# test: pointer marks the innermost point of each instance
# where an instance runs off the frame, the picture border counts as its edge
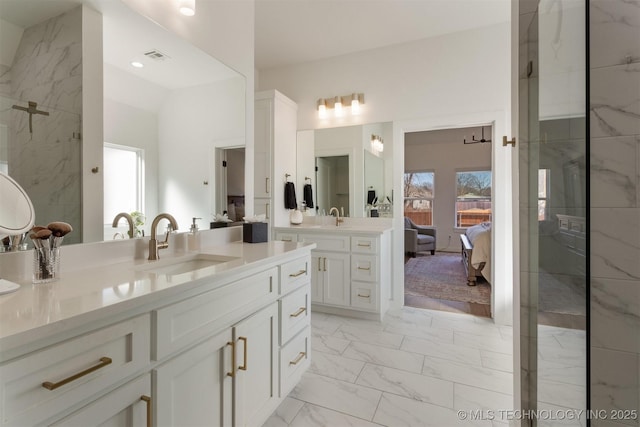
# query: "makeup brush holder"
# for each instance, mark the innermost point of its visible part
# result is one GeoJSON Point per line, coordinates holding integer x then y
{"type": "Point", "coordinates": [46, 265]}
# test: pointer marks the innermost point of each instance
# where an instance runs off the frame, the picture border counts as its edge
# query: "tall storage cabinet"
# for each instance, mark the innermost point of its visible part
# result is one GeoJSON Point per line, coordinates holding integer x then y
{"type": "Point", "coordinates": [275, 154]}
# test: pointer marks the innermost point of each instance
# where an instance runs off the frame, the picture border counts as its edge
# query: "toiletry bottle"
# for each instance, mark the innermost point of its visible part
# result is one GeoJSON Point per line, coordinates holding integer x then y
{"type": "Point", "coordinates": [194, 237]}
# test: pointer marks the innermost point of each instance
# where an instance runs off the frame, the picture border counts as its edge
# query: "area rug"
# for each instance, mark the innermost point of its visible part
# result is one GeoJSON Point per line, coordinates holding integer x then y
{"type": "Point", "coordinates": [442, 276]}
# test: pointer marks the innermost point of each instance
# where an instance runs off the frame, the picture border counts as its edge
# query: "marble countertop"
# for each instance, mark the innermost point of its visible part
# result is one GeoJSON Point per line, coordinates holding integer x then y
{"type": "Point", "coordinates": [106, 291]}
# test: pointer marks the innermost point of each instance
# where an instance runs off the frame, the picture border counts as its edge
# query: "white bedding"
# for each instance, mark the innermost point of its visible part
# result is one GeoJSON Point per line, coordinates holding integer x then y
{"type": "Point", "coordinates": [480, 237]}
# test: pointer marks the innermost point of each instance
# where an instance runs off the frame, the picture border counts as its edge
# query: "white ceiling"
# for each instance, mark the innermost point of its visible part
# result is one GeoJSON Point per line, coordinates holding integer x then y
{"type": "Point", "coordinates": [296, 31]}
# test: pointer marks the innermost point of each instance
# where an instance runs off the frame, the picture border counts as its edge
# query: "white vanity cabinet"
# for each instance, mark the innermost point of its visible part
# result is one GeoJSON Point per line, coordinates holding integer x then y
{"type": "Point", "coordinates": [209, 356]}
{"type": "Point", "coordinates": [275, 133]}
{"type": "Point", "coordinates": [350, 269]}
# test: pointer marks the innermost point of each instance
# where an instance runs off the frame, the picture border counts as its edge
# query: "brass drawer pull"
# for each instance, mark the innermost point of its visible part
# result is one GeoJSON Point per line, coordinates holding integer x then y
{"type": "Point", "coordinates": [299, 312]}
{"type": "Point", "coordinates": [104, 361]}
{"type": "Point", "coordinates": [266, 185]}
{"type": "Point", "coordinates": [364, 296]}
{"type": "Point", "coordinates": [319, 263]}
{"type": "Point", "coordinates": [286, 240]}
{"type": "Point", "coordinates": [367, 245]}
{"type": "Point", "coordinates": [147, 399]}
{"type": "Point", "coordinates": [325, 264]}
{"type": "Point", "coordinates": [244, 366]}
{"type": "Point", "coordinates": [298, 274]}
{"type": "Point", "coordinates": [364, 268]}
{"type": "Point", "coordinates": [298, 359]}
{"type": "Point", "coordinates": [233, 359]}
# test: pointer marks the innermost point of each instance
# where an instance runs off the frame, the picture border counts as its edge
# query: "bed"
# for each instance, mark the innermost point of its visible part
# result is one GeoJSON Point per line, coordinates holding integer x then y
{"type": "Point", "coordinates": [476, 252]}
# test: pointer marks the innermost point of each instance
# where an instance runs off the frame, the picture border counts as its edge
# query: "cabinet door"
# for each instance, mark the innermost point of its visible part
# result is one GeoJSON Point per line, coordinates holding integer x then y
{"type": "Point", "coordinates": [262, 148]}
{"type": "Point", "coordinates": [256, 381]}
{"type": "Point", "coordinates": [336, 287]}
{"type": "Point", "coordinates": [317, 278]}
{"type": "Point", "coordinates": [195, 387]}
{"type": "Point", "coordinates": [128, 405]}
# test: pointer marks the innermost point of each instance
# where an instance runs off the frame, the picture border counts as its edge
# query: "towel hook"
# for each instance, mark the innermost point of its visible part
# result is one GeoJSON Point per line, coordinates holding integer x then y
{"type": "Point", "coordinates": [306, 178]}
{"type": "Point", "coordinates": [286, 177]}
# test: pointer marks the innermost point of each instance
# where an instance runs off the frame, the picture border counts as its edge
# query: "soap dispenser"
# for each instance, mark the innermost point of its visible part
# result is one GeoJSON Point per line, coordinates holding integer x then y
{"type": "Point", "coordinates": [194, 236]}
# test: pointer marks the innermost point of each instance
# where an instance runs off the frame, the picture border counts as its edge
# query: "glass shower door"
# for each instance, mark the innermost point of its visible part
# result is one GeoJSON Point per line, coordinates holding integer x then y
{"type": "Point", "coordinates": [553, 211]}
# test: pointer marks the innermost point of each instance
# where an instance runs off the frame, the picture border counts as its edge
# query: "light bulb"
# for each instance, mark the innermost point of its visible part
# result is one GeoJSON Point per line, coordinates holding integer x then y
{"type": "Point", "coordinates": [355, 104]}
{"type": "Point", "coordinates": [137, 64]}
{"type": "Point", "coordinates": [337, 107]}
{"type": "Point", "coordinates": [322, 108]}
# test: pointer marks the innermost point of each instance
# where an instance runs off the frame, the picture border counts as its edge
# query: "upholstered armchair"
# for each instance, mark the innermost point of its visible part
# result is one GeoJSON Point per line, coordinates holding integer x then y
{"type": "Point", "coordinates": [418, 238]}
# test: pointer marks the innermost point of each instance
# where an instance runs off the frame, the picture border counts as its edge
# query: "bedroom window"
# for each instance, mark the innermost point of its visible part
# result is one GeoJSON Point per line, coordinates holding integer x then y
{"type": "Point", "coordinates": [418, 197]}
{"type": "Point", "coordinates": [473, 198]}
{"type": "Point", "coordinates": [123, 181]}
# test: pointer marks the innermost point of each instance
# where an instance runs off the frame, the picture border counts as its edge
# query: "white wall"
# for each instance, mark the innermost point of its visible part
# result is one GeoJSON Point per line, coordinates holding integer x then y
{"type": "Point", "coordinates": [192, 122]}
{"type": "Point", "coordinates": [133, 127]}
{"type": "Point", "coordinates": [445, 157]}
{"type": "Point", "coordinates": [454, 80]}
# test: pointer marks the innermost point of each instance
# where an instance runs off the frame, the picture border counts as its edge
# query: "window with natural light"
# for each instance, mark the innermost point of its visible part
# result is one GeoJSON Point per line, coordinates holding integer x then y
{"type": "Point", "coordinates": [418, 197]}
{"type": "Point", "coordinates": [473, 198]}
{"type": "Point", "coordinates": [543, 194]}
{"type": "Point", "coordinates": [123, 180]}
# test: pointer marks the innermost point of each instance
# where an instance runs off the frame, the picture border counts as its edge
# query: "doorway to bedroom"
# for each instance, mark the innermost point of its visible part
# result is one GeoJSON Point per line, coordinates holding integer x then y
{"type": "Point", "coordinates": [448, 194]}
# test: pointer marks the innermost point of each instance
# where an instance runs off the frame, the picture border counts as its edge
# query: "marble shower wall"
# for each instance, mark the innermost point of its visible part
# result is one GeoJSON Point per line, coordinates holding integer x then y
{"type": "Point", "coordinates": [615, 206]}
{"type": "Point", "coordinates": [47, 69]}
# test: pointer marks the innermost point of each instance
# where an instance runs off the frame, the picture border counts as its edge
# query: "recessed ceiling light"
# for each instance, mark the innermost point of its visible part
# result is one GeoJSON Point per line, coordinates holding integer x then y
{"type": "Point", "coordinates": [137, 64]}
{"type": "Point", "coordinates": [187, 7]}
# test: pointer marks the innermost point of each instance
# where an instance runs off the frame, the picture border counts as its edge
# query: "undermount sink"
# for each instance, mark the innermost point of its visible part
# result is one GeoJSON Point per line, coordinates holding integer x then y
{"type": "Point", "coordinates": [173, 266]}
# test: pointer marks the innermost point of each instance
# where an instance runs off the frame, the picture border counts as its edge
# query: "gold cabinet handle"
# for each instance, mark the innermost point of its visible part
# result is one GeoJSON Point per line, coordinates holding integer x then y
{"type": "Point", "coordinates": [104, 361]}
{"type": "Point", "coordinates": [364, 296]}
{"type": "Point", "coordinates": [319, 261]}
{"type": "Point", "coordinates": [299, 312]}
{"type": "Point", "coordinates": [364, 245]}
{"type": "Point", "coordinates": [233, 359]}
{"type": "Point", "coordinates": [298, 274]}
{"type": "Point", "coordinates": [286, 240]}
{"type": "Point", "coordinates": [364, 268]}
{"type": "Point", "coordinates": [147, 399]}
{"type": "Point", "coordinates": [297, 360]}
{"type": "Point", "coordinates": [266, 185]}
{"type": "Point", "coordinates": [244, 366]}
{"type": "Point", "coordinates": [266, 214]}
{"type": "Point", "coordinates": [325, 264]}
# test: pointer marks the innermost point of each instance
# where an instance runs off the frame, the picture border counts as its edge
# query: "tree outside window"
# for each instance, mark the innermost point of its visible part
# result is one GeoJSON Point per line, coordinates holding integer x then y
{"type": "Point", "coordinates": [473, 198]}
{"type": "Point", "coordinates": [418, 197]}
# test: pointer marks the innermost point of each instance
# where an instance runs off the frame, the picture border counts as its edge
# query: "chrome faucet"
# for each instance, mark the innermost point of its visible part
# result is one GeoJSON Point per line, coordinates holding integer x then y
{"type": "Point", "coordinates": [154, 246]}
{"type": "Point", "coordinates": [129, 219]}
{"type": "Point", "coordinates": [338, 219]}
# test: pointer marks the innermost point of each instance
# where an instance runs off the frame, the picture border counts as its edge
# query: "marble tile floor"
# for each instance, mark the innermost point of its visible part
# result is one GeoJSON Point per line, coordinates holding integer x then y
{"type": "Point", "coordinates": [419, 368]}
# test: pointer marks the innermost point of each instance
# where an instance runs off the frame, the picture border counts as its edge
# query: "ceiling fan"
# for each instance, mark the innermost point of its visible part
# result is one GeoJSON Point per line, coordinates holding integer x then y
{"type": "Point", "coordinates": [475, 141]}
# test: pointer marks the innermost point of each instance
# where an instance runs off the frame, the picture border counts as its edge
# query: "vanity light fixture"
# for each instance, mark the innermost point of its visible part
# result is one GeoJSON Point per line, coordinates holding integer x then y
{"type": "Point", "coordinates": [187, 7]}
{"type": "Point", "coordinates": [377, 144]}
{"type": "Point", "coordinates": [339, 104]}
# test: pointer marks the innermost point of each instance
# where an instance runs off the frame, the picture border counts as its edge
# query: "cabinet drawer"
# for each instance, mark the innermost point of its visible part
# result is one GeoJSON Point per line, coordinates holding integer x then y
{"type": "Point", "coordinates": [72, 371]}
{"type": "Point", "coordinates": [294, 313]}
{"type": "Point", "coordinates": [294, 360]}
{"type": "Point", "coordinates": [364, 295]}
{"type": "Point", "coordinates": [183, 323]}
{"type": "Point", "coordinates": [294, 274]}
{"type": "Point", "coordinates": [327, 242]}
{"type": "Point", "coordinates": [364, 244]}
{"type": "Point", "coordinates": [286, 237]}
{"type": "Point", "coordinates": [364, 267]}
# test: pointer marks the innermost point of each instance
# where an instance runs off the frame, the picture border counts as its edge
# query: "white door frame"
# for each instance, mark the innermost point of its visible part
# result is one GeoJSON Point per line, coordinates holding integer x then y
{"type": "Point", "coordinates": [502, 231]}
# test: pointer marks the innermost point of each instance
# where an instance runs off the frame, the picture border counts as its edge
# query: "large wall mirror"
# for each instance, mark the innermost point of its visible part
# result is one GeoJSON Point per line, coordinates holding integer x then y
{"type": "Point", "coordinates": [348, 169]}
{"type": "Point", "coordinates": [162, 122]}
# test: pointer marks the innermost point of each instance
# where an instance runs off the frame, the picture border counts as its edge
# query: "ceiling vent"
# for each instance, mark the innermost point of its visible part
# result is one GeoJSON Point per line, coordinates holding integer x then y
{"type": "Point", "coordinates": [156, 55]}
